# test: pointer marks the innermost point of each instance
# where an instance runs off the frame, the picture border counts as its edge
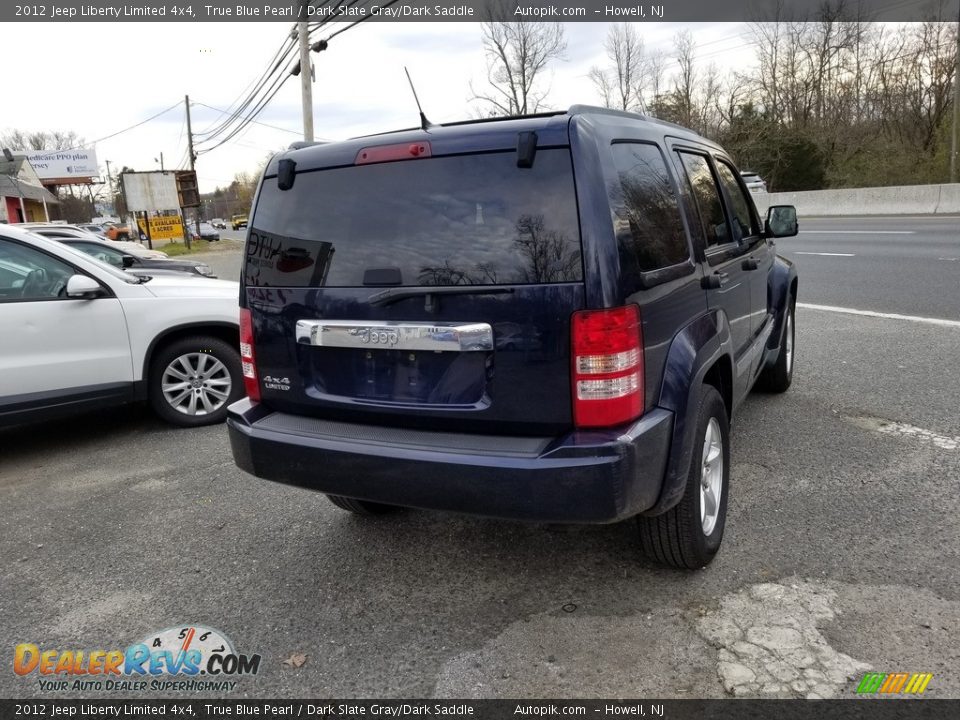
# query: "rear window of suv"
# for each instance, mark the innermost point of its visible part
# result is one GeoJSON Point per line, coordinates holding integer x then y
{"type": "Point", "coordinates": [459, 220]}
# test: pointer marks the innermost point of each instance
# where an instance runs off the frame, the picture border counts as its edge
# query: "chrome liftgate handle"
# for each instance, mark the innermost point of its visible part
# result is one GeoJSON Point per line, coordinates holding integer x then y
{"type": "Point", "coordinates": [386, 335]}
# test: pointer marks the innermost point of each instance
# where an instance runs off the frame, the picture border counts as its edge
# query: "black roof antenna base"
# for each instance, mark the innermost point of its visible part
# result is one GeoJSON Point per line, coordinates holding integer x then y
{"type": "Point", "coordinates": [424, 123]}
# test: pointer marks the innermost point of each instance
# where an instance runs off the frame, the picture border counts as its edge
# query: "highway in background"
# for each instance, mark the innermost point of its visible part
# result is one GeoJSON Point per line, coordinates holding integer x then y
{"type": "Point", "coordinates": [904, 265]}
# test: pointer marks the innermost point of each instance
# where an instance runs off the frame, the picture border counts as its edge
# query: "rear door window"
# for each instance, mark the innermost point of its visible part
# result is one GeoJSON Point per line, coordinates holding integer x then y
{"type": "Point", "coordinates": [706, 194]}
{"type": "Point", "coordinates": [650, 231]}
{"type": "Point", "coordinates": [456, 220]}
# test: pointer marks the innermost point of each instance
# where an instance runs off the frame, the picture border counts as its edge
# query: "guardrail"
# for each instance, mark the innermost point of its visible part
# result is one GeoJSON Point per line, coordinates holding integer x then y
{"type": "Point", "coordinates": [899, 200]}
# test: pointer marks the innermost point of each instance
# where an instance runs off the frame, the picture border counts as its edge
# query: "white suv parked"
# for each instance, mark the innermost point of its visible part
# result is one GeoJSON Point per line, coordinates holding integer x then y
{"type": "Point", "coordinates": [79, 334]}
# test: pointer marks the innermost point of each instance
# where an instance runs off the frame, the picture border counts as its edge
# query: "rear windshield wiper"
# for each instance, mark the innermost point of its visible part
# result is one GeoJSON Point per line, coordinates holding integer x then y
{"type": "Point", "coordinates": [388, 297]}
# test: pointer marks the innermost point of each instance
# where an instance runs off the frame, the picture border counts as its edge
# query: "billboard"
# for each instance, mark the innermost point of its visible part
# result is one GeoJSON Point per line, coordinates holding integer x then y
{"type": "Point", "coordinates": [150, 191]}
{"type": "Point", "coordinates": [76, 163]}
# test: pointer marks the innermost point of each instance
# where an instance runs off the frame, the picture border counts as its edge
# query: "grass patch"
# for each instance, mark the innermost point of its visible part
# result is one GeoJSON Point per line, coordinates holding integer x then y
{"type": "Point", "coordinates": [178, 248]}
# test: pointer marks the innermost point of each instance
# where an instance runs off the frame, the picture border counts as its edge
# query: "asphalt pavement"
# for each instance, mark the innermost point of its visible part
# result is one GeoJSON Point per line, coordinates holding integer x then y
{"type": "Point", "coordinates": [840, 555]}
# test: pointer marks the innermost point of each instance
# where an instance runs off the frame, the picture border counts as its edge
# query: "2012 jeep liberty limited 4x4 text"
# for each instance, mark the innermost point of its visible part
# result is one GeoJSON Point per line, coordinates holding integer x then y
{"type": "Point", "coordinates": [549, 318]}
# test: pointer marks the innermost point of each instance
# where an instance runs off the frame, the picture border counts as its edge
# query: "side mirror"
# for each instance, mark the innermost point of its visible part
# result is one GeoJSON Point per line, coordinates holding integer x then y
{"type": "Point", "coordinates": [82, 286]}
{"type": "Point", "coordinates": [128, 261]}
{"type": "Point", "coordinates": [781, 221]}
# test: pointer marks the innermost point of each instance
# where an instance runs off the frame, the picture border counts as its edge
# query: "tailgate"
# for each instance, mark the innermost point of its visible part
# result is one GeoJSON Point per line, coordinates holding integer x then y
{"type": "Point", "coordinates": [433, 293]}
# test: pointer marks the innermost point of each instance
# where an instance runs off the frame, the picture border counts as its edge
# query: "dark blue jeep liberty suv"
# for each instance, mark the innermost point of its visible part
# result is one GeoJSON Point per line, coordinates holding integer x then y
{"type": "Point", "coordinates": [549, 318]}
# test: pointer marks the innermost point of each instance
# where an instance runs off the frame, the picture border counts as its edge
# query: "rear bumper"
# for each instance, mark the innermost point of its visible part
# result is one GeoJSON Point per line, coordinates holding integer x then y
{"type": "Point", "coordinates": [584, 477]}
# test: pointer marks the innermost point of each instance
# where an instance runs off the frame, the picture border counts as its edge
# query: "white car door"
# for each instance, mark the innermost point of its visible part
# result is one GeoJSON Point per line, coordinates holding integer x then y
{"type": "Point", "coordinates": [56, 349]}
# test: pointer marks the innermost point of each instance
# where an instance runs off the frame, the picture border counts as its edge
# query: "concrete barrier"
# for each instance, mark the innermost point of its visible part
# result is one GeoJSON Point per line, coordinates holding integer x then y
{"type": "Point", "coordinates": [901, 200]}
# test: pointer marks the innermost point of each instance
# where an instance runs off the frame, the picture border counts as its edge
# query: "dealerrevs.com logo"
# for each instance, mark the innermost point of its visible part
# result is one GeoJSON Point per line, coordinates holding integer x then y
{"type": "Point", "coordinates": [188, 658]}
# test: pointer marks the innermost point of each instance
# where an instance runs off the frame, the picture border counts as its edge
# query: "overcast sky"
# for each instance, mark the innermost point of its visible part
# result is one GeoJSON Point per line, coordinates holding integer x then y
{"type": "Point", "coordinates": [96, 79]}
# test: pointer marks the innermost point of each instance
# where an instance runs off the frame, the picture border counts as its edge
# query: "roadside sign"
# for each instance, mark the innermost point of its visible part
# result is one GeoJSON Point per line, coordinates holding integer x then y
{"type": "Point", "coordinates": [163, 228]}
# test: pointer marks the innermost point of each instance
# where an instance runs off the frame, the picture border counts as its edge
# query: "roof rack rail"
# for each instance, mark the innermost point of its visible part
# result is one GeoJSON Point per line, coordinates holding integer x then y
{"type": "Point", "coordinates": [501, 118]}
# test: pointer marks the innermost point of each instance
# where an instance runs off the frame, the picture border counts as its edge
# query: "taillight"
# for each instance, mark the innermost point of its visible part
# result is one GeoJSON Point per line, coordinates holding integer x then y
{"type": "Point", "coordinates": [247, 358]}
{"type": "Point", "coordinates": [607, 366]}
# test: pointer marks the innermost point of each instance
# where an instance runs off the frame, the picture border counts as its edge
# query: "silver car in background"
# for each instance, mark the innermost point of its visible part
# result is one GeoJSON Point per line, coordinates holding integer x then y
{"type": "Point", "coordinates": [754, 182]}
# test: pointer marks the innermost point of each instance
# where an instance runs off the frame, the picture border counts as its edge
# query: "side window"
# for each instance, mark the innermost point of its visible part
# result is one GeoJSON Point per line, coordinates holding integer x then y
{"type": "Point", "coordinates": [707, 196]}
{"type": "Point", "coordinates": [101, 252]}
{"type": "Point", "coordinates": [649, 228]}
{"type": "Point", "coordinates": [30, 274]}
{"type": "Point", "coordinates": [743, 226]}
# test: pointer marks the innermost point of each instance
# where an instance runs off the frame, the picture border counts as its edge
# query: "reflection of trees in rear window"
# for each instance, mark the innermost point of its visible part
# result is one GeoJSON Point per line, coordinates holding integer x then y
{"type": "Point", "coordinates": [544, 255]}
{"type": "Point", "coordinates": [650, 231]}
{"type": "Point", "coordinates": [465, 220]}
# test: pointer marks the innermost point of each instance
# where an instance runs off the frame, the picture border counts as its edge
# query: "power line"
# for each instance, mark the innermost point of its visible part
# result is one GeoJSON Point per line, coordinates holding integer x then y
{"type": "Point", "coordinates": [269, 76]}
{"type": "Point", "coordinates": [274, 86]}
{"type": "Point", "coordinates": [279, 59]}
{"type": "Point", "coordinates": [354, 24]}
{"type": "Point", "coordinates": [257, 122]}
{"type": "Point", "coordinates": [87, 143]}
{"type": "Point", "coordinates": [132, 127]}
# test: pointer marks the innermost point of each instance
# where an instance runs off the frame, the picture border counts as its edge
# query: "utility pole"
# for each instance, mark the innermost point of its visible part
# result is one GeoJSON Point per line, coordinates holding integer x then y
{"type": "Point", "coordinates": [110, 198]}
{"type": "Point", "coordinates": [306, 81]}
{"type": "Point", "coordinates": [193, 169]}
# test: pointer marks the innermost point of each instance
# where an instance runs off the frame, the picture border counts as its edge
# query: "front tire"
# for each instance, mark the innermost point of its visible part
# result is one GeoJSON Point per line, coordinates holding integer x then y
{"type": "Point", "coordinates": [688, 535]}
{"type": "Point", "coordinates": [193, 380]}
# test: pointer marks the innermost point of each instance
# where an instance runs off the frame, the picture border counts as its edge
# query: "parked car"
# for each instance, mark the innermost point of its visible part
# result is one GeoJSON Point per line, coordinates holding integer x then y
{"type": "Point", "coordinates": [207, 232]}
{"type": "Point", "coordinates": [238, 221]}
{"type": "Point", "coordinates": [58, 232]}
{"type": "Point", "coordinates": [117, 231]}
{"type": "Point", "coordinates": [80, 334]}
{"type": "Point", "coordinates": [94, 229]}
{"type": "Point", "coordinates": [626, 252]}
{"type": "Point", "coordinates": [219, 223]}
{"type": "Point", "coordinates": [108, 253]}
{"type": "Point", "coordinates": [754, 182]}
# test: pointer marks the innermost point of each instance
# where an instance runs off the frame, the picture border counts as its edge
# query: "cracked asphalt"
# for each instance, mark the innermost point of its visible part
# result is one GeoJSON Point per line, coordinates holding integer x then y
{"type": "Point", "coordinates": [840, 556]}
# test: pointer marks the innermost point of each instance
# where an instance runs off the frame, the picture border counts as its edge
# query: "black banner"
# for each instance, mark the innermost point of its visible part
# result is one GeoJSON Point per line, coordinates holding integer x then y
{"type": "Point", "coordinates": [872, 709]}
{"type": "Point", "coordinates": [330, 11]}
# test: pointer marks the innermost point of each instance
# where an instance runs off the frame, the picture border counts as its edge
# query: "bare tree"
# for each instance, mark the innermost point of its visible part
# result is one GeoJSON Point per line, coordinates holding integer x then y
{"type": "Point", "coordinates": [517, 53]}
{"type": "Point", "coordinates": [41, 140]}
{"type": "Point", "coordinates": [685, 81]}
{"type": "Point", "coordinates": [621, 85]}
{"type": "Point", "coordinates": [654, 79]}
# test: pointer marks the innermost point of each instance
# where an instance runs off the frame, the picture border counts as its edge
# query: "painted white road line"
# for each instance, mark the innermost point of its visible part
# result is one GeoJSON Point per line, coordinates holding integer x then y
{"type": "Point", "coordinates": [800, 252]}
{"type": "Point", "coordinates": [890, 427]}
{"type": "Point", "coordinates": [858, 232]}
{"type": "Point", "coordinates": [887, 316]}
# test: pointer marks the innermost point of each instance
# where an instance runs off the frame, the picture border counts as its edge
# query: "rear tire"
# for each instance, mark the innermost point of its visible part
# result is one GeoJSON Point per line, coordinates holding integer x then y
{"type": "Point", "coordinates": [360, 507]}
{"type": "Point", "coordinates": [777, 379]}
{"type": "Point", "coordinates": [688, 535]}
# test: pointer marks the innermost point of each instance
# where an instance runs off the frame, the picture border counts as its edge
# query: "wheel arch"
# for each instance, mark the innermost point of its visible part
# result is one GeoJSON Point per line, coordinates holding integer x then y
{"type": "Point", "coordinates": [701, 353]}
{"type": "Point", "coordinates": [225, 331]}
{"type": "Point", "coordinates": [783, 289]}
